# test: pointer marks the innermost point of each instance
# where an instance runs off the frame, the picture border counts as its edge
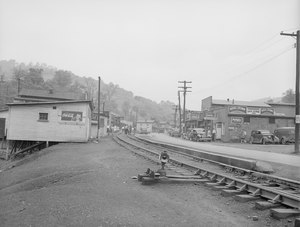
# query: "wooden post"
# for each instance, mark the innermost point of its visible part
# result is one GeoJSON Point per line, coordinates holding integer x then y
{"type": "Point", "coordinates": [7, 150]}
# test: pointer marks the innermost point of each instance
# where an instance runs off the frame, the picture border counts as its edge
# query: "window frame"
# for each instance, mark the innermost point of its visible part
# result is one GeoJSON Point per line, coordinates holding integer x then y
{"type": "Point", "coordinates": [42, 118]}
{"type": "Point", "coordinates": [272, 120]}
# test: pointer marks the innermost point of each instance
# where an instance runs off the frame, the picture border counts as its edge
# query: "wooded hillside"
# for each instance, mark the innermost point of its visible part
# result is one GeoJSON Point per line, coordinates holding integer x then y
{"type": "Point", "coordinates": [113, 98]}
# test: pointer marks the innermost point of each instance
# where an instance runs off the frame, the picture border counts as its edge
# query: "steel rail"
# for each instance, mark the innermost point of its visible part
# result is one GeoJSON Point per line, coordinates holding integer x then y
{"type": "Point", "coordinates": [274, 195]}
{"type": "Point", "coordinates": [286, 181]}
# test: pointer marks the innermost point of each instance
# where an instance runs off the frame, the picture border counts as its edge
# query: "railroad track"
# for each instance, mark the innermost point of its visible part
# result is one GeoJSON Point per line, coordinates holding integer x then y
{"type": "Point", "coordinates": [251, 174]}
{"type": "Point", "coordinates": [276, 191]}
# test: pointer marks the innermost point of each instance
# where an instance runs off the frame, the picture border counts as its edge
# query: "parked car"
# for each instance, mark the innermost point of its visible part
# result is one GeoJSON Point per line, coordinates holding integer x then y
{"type": "Point", "coordinates": [196, 133]}
{"type": "Point", "coordinates": [263, 137]}
{"type": "Point", "coordinates": [175, 133]}
{"type": "Point", "coordinates": [285, 134]}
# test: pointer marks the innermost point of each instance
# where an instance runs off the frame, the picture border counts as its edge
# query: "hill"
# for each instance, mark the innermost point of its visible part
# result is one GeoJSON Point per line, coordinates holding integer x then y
{"type": "Point", "coordinates": [113, 98]}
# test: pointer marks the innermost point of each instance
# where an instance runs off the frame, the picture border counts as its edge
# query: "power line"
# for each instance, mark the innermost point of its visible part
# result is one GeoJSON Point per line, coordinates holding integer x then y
{"type": "Point", "coordinates": [261, 64]}
{"type": "Point", "coordinates": [250, 70]}
{"type": "Point", "coordinates": [267, 41]}
{"type": "Point", "coordinates": [253, 56]}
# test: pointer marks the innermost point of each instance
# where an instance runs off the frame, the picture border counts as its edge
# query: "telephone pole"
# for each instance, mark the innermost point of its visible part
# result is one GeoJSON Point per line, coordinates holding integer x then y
{"type": "Point", "coordinates": [297, 119]}
{"type": "Point", "coordinates": [175, 116]}
{"type": "Point", "coordinates": [184, 97]}
{"type": "Point", "coordinates": [179, 108]}
{"type": "Point", "coordinates": [99, 81]}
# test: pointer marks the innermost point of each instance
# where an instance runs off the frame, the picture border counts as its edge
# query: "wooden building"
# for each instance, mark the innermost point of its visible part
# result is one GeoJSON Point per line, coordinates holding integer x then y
{"type": "Point", "coordinates": [56, 121]}
{"type": "Point", "coordinates": [104, 124]}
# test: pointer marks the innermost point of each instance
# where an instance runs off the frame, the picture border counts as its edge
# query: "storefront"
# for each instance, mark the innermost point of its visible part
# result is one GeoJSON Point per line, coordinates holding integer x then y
{"type": "Point", "coordinates": [232, 118]}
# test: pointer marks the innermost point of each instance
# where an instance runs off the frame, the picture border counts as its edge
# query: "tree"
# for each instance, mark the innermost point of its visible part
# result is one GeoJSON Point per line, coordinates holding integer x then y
{"type": "Point", "coordinates": [126, 108]}
{"type": "Point", "coordinates": [62, 78]}
{"type": "Point", "coordinates": [90, 87]}
{"type": "Point", "coordinates": [76, 87]}
{"type": "Point", "coordinates": [288, 96]}
{"type": "Point", "coordinates": [34, 77]}
{"type": "Point", "coordinates": [110, 91]}
{"type": "Point", "coordinates": [18, 73]}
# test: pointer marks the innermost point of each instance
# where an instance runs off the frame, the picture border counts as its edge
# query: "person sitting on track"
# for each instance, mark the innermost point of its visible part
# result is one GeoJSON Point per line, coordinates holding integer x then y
{"type": "Point", "coordinates": [164, 158]}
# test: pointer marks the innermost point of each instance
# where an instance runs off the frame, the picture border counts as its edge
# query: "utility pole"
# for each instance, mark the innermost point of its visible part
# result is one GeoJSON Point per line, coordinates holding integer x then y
{"type": "Point", "coordinates": [297, 111]}
{"type": "Point", "coordinates": [175, 116]}
{"type": "Point", "coordinates": [179, 108]}
{"type": "Point", "coordinates": [19, 85]}
{"type": "Point", "coordinates": [99, 81]}
{"type": "Point", "coordinates": [184, 97]}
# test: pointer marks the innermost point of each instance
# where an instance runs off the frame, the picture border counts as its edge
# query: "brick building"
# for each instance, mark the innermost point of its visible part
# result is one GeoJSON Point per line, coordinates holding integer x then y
{"type": "Point", "coordinates": [230, 117]}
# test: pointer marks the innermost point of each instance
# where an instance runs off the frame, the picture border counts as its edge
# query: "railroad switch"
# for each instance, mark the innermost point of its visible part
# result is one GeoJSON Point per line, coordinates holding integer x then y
{"type": "Point", "coordinates": [161, 176]}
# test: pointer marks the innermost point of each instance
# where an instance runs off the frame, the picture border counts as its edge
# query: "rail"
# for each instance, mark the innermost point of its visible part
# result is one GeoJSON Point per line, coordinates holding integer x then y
{"type": "Point", "coordinates": [267, 191]}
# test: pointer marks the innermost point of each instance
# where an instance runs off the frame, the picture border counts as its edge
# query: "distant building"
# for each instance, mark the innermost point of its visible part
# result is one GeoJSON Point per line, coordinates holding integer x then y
{"type": "Point", "coordinates": [193, 118]}
{"type": "Point", "coordinates": [144, 126]}
{"type": "Point", "coordinates": [103, 127]}
{"type": "Point", "coordinates": [231, 117]}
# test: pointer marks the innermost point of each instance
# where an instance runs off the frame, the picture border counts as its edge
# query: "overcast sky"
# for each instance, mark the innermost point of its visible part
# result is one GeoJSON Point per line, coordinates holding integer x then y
{"type": "Point", "coordinates": [227, 48]}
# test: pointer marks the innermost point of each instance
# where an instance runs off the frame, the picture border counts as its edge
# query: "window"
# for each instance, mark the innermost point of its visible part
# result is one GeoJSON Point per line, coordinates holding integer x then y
{"type": "Point", "coordinates": [43, 116]}
{"type": "Point", "coordinates": [246, 119]}
{"type": "Point", "coordinates": [271, 120]}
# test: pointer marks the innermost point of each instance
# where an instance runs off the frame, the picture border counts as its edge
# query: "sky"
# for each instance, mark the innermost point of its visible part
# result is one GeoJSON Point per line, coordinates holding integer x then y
{"type": "Point", "coordinates": [226, 48]}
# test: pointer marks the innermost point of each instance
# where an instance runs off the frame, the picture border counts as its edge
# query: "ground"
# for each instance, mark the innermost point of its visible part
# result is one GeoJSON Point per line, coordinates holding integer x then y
{"type": "Point", "coordinates": [91, 185]}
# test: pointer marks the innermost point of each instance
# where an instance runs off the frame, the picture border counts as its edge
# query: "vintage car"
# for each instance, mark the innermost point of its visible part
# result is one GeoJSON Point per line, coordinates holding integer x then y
{"type": "Point", "coordinates": [263, 137]}
{"type": "Point", "coordinates": [285, 134]}
{"type": "Point", "coordinates": [174, 133]}
{"type": "Point", "coordinates": [196, 134]}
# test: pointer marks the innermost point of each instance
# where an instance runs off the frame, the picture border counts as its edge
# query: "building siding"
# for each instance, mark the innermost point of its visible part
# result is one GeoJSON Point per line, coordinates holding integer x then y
{"type": "Point", "coordinates": [24, 123]}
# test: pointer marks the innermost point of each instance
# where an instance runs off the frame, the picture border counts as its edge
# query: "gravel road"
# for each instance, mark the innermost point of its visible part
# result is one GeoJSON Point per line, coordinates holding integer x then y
{"type": "Point", "coordinates": [91, 185]}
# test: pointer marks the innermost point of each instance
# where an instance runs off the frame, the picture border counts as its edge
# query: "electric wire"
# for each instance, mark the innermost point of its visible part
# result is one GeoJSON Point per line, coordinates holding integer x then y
{"type": "Point", "coordinates": [248, 71]}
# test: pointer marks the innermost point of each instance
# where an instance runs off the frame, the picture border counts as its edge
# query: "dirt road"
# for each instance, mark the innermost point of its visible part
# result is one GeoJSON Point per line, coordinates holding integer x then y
{"type": "Point", "coordinates": [90, 185]}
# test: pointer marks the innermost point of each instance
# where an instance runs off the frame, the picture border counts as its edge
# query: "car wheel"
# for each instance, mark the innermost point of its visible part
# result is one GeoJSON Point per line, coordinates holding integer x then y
{"type": "Point", "coordinates": [251, 140]}
{"type": "Point", "coordinates": [283, 141]}
{"type": "Point", "coordinates": [263, 141]}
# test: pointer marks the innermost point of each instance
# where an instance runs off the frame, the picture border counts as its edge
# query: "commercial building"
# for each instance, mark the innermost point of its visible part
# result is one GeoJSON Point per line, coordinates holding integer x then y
{"type": "Point", "coordinates": [230, 117]}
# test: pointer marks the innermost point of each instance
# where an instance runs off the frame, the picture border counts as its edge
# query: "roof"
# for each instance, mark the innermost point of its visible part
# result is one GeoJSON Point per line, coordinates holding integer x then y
{"type": "Point", "coordinates": [280, 104]}
{"type": "Point", "coordinates": [239, 103]}
{"type": "Point", "coordinates": [49, 94]}
{"type": "Point", "coordinates": [49, 102]}
{"type": "Point", "coordinates": [4, 109]}
{"type": "Point", "coordinates": [31, 99]}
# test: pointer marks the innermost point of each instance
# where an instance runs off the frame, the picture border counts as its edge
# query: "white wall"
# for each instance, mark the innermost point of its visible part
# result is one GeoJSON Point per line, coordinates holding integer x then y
{"type": "Point", "coordinates": [24, 123]}
{"type": "Point", "coordinates": [103, 130]}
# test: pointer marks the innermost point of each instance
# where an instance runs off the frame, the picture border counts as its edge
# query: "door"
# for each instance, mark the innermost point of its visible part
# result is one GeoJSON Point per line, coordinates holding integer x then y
{"type": "Point", "coordinates": [2, 128]}
{"type": "Point", "coordinates": [218, 131]}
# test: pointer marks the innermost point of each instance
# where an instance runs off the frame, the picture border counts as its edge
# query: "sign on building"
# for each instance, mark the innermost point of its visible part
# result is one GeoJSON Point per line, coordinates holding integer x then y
{"type": "Point", "coordinates": [236, 120]}
{"type": "Point", "coordinates": [71, 116]}
{"type": "Point", "coordinates": [267, 111]}
{"type": "Point", "coordinates": [237, 109]}
{"type": "Point", "coordinates": [253, 110]}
